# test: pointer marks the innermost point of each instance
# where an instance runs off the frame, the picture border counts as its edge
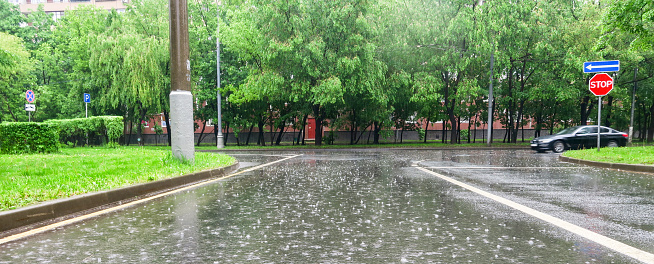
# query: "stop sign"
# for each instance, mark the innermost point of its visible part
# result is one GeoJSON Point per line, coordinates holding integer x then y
{"type": "Point", "coordinates": [601, 84]}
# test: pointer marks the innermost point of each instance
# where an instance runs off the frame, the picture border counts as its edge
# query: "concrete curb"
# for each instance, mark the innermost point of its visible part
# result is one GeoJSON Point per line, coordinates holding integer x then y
{"type": "Point", "coordinates": [49, 210]}
{"type": "Point", "coordinates": [617, 166]}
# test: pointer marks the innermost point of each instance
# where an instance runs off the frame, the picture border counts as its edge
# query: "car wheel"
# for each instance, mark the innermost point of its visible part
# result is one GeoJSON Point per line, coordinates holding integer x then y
{"type": "Point", "coordinates": [558, 146]}
{"type": "Point", "coordinates": [612, 144]}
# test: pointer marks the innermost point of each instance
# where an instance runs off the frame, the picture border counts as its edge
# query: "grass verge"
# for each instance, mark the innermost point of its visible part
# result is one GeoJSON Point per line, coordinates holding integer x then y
{"type": "Point", "coordinates": [629, 155]}
{"type": "Point", "coordinates": [33, 178]}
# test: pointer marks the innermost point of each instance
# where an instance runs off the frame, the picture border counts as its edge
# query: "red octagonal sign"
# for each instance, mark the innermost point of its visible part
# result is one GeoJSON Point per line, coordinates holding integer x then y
{"type": "Point", "coordinates": [601, 84]}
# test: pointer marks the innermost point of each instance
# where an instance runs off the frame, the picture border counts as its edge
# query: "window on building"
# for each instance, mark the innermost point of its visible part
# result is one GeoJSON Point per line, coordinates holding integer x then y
{"type": "Point", "coordinates": [58, 14]}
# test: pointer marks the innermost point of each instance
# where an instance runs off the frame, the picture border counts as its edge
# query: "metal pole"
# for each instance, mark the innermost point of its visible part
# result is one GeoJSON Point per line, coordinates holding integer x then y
{"type": "Point", "coordinates": [599, 120]}
{"type": "Point", "coordinates": [219, 140]}
{"type": "Point", "coordinates": [633, 104]}
{"type": "Point", "coordinates": [29, 116]}
{"type": "Point", "coordinates": [490, 104]}
{"type": "Point", "coordinates": [86, 106]}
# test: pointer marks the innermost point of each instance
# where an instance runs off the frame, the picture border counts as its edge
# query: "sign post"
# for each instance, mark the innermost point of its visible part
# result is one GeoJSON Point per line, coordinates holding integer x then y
{"type": "Point", "coordinates": [29, 95]}
{"type": "Point", "coordinates": [87, 100]}
{"type": "Point", "coordinates": [600, 85]}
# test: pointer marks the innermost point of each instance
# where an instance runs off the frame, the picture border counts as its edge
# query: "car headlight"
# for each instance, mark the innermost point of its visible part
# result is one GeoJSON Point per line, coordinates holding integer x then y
{"type": "Point", "coordinates": [547, 140]}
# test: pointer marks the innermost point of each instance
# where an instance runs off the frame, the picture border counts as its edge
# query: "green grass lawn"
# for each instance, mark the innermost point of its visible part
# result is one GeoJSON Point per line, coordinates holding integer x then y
{"type": "Point", "coordinates": [29, 179]}
{"type": "Point", "coordinates": [629, 155]}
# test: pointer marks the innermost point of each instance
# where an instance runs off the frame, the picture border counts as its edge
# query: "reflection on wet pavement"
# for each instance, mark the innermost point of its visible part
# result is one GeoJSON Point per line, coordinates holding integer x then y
{"type": "Point", "coordinates": [368, 207]}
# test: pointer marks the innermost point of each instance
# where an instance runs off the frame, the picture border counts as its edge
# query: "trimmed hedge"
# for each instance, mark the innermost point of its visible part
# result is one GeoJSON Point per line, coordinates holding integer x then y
{"type": "Point", "coordinates": [21, 137]}
{"type": "Point", "coordinates": [110, 128]}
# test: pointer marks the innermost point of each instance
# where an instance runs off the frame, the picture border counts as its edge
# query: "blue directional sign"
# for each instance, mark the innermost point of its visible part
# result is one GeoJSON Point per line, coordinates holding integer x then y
{"type": "Point", "coordinates": [601, 66]}
{"type": "Point", "coordinates": [87, 98]}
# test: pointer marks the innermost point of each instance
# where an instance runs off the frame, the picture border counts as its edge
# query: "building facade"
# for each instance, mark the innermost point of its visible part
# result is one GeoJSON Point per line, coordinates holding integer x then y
{"type": "Point", "coordinates": [57, 8]}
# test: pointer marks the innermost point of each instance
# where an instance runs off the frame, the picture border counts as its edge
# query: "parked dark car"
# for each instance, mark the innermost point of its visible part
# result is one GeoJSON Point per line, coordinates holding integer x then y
{"type": "Point", "coordinates": [579, 137]}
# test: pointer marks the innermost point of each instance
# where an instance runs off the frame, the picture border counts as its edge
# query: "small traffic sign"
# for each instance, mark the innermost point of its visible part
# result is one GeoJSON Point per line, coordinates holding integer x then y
{"type": "Point", "coordinates": [601, 84]}
{"type": "Point", "coordinates": [601, 66]}
{"type": "Point", "coordinates": [29, 95]}
{"type": "Point", "coordinates": [87, 98]}
{"type": "Point", "coordinates": [30, 107]}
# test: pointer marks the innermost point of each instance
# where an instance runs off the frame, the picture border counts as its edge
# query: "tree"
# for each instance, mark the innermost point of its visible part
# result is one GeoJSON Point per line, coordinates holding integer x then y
{"type": "Point", "coordinates": [15, 65]}
{"type": "Point", "coordinates": [10, 18]}
{"type": "Point", "coordinates": [628, 34]}
{"type": "Point", "coordinates": [310, 53]}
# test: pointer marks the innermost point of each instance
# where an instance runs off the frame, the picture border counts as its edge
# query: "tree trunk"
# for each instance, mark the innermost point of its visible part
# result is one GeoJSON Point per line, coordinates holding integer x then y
{"type": "Point", "coordinates": [362, 132]}
{"type": "Point", "coordinates": [585, 107]}
{"type": "Point", "coordinates": [650, 131]}
{"type": "Point", "coordinates": [167, 127]}
{"type": "Point", "coordinates": [226, 133]}
{"type": "Point", "coordinates": [303, 130]}
{"type": "Point", "coordinates": [377, 129]}
{"type": "Point", "coordinates": [129, 137]}
{"type": "Point", "coordinates": [204, 126]}
{"type": "Point", "coordinates": [279, 137]}
{"type": "Point", "coordinates": [609, 108]}
{"type": "Point", "coordinates": [642, 121]}
{"type": "Point", "coordinates": [539, 120]}
{"type": "Point", "coordinates": [453, 137]}
{"type": "Point", "coordinates": [247, 141]}
{"type": "Point", "coordinates": [261, 141]}
{"type": "Point", "coordinates": [139, 133]}
{"type": "Point", "coordinates": [426, 129]}
{"type": "Point", "coordinates": [318, 129]}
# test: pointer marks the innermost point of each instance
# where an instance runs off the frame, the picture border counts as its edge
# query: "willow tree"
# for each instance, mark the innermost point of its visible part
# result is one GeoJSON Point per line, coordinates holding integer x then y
{"type": "Point", "coordinates": [15, 65]}
{"type": "Point", "coordinates": [129, 62]}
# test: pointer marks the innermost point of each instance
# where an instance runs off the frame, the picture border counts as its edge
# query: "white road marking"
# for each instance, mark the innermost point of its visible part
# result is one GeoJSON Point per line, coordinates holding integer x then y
{"type": "Point", "coordinates": [120, 207]}
{"type": "Point", "coordinates": [615, 245]}
{"type": "Point", "coordinates": [504, 168]}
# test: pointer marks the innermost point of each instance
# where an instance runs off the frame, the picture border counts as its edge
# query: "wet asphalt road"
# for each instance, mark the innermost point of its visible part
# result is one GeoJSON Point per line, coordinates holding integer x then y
{"type": "Point", "coordinates": [370, 206]}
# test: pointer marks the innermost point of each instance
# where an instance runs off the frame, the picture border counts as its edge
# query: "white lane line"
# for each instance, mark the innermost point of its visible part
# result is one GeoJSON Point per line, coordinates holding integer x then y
{"type": "Point", "coordinates": [522, 168]}
{"type": "Point", "coordinates": [120, 207]}
{"type": "Point", "coordinates": [615, 245]}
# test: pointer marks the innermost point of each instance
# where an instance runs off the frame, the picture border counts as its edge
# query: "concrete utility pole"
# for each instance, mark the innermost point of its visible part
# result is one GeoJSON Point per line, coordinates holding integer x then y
{"type": "Point", "coordinates": [489, 140]}
{"type": "Point", "coordinates": [219, 140]}
{"type": "Point", "coordinates": [181, 99]}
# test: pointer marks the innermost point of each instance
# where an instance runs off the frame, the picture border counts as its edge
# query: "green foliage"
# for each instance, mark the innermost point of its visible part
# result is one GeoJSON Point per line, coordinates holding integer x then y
{"type": "Point", "coordinates": [358, 64]}
{"type": "Point", "coordinates": [23, 137]}
{"type": "Point", "coordinates": [465, 134]}
{"type": "Point", "coordinates": [421, 133]}
{"type": "Point", "coordinates": [71, 130]}
{"type": "Point", "coordinates": [10, 18]}
{"type": "Point", "coordinates": [635, 17]}
{"type": "Point", "coordinates": [15, 68]}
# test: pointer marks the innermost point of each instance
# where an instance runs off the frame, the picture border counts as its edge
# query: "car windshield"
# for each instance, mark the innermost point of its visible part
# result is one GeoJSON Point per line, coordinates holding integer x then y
{"type": "Point", "coordinates": [568, 130]}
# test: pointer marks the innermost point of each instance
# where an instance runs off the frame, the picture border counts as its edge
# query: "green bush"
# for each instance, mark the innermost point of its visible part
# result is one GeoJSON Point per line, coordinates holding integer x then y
{"type": "Point", "coordinates": [20, 137]}
{"type": "Point", "coordinates": [77, 130]}
{"type": "Point", "coordinates": [465, 134]}
{"type": "Point", "coordinates": [421, 133]}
